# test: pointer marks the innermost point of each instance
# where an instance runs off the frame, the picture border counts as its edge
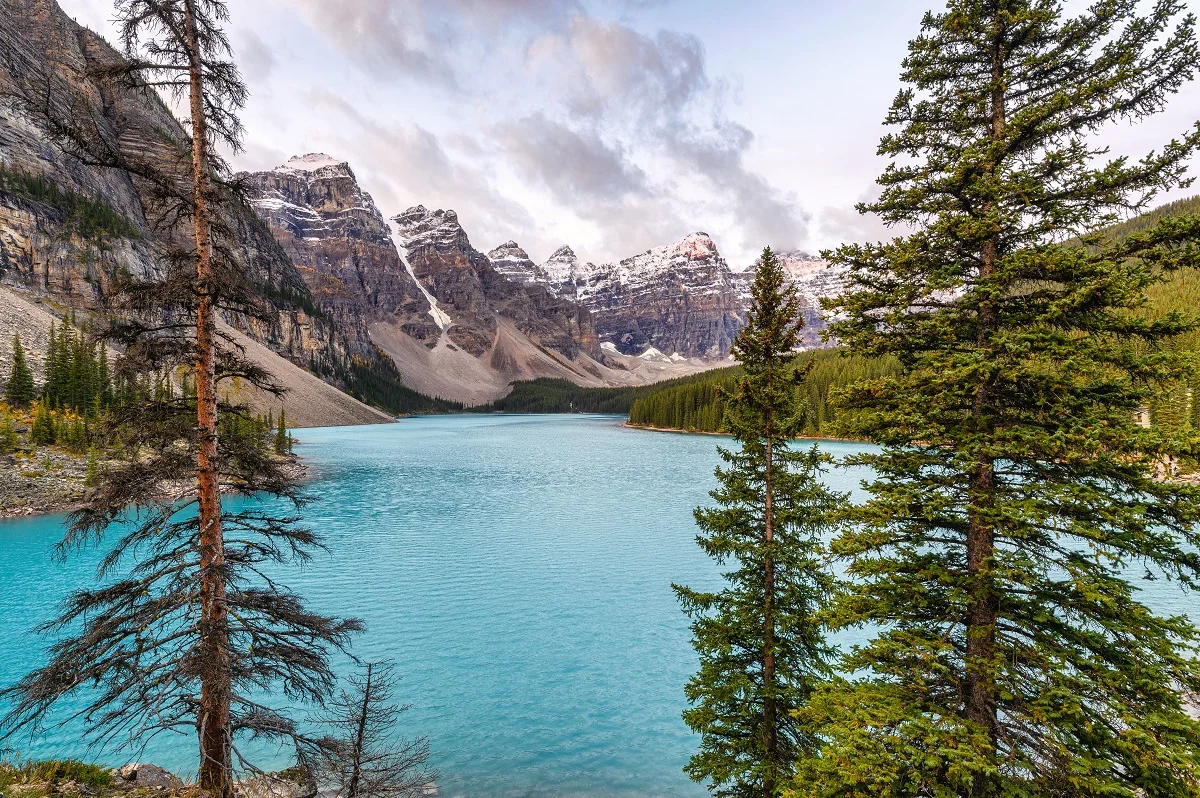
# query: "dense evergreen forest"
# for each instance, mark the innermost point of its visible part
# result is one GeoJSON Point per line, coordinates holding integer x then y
{"type": "Point", "coordinates": [699, 406]}
{"type": "Point", "coordinates": [547, 395]}
{"type": "Point", "coordinates": [1175, 408]}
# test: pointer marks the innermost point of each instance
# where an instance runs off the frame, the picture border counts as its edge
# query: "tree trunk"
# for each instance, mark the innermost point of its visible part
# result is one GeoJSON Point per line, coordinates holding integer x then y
{"type": "Point", "coordinates": [979, 680]}
{"type": "Point", "coordinates": [216, 766]}
{"type": "Point", "coordinates": [360, 738]}
{"type": "Point", "coordinates": [770, 719]}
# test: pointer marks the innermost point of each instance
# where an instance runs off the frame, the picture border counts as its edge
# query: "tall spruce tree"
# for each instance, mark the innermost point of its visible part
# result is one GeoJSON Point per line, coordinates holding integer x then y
{"type": "Point", "coordinates": [19, 390]}
{"type": "Point", "coordinates": [193, 636]}
{"type": "Point", "coordinates": [762, 650]}
{"type": "Point", "coordinates": [1013, 500]}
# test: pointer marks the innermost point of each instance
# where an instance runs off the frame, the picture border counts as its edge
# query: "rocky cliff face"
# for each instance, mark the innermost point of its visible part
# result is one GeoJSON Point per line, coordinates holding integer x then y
{"type": "Point", "coordinates": [342, 248]}
{"type": "Point", "coordinates": [514, 263]}
{"type": "Point", "coordinates": [66, 229]}
{"type": "Point", "coordinates": [475, 294]}
{"type": "Point", "coordinates": [678, 299]}
{"type": "Point", "coordinates": [814, 279]}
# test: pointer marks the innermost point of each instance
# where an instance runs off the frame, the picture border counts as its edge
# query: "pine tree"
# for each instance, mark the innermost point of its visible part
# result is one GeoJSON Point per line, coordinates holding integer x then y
{"type": "Point", "coordinates": [19, 391]}
{"type": "Point", "coordinates": [193, 638]}
{"type": "Point", "coordinates": [1013, 499]}
{"type": "Point", "coordinates": [367, 759]}
{"type": "Point", "coordinates": [282, 439]}
{"type": "Point", "coordinates": [44, 430]}
{"type": "Point", "coordinates": [762, 650]}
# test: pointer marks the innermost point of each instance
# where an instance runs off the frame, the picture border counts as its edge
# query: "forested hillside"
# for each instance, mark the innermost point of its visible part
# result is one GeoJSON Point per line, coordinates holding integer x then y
{"type": "Point", "coordinates": [1176, 409]}
{"type": "Point", "coordinates": [698, 405]}
{"type": "Point", "coordinates": [548, 395]}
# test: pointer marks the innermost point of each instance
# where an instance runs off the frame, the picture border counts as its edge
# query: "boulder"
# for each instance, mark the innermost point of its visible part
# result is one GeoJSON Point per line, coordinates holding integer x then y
{"type": "Point", "coordinates": [137, 774]}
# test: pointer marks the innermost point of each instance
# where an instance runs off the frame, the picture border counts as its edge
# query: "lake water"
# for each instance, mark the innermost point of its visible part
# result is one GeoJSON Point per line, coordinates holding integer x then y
{"type": "Point", "coordinates": [517, 569]}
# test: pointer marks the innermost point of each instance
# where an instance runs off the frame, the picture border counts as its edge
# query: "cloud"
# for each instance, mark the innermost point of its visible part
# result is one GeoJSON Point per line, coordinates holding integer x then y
{"type": "Point", "coordinates": [621, 129]}
{"type": "Point", "coordinates": [575, 166]}
{"type": "Point", "coordinates": [386, 37]}
{"type": "Point", "coordinates": [848, 226]}
{"type": "Point", "coordinates": [256, 59]}
{"type": "Point", "coordinates": [656, 93]}
{"type": "Point", "coordinates": [404, 164]}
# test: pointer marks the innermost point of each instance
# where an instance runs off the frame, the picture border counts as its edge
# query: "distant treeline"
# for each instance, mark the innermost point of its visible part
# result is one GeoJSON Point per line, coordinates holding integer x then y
{"type": "Point", "coordinates": [1176, 408]}
{"type": "Point", "coordinates": [378, 383]}
{"type": "Point", "coordinates": [548, 395]}
{"type": "Point", "coordinates": [699, 406]}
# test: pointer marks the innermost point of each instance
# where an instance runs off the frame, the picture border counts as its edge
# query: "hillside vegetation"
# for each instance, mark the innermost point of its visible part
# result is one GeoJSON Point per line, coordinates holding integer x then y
{"type": "Point", "coordinates": [548, 395]}
{"type": "Point", "coordinates": [1176, 409]}
{"type": "Point", "coordinates": [699, 406]}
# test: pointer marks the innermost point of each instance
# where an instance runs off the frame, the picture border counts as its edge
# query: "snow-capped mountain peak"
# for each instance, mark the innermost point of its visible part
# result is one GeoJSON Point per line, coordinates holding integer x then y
{"type": "Point", "coordinates": [311, 162]}
{"type": "Point", "coordinates": [514, 263]}
{"type": "Point", "coordinates": [419, 226]}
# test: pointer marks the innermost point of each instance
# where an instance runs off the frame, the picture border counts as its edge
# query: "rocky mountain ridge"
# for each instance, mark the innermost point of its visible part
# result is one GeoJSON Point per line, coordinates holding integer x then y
{"type": "Point", "coordinates": [350, 292]}
{"type": "Point", "coordinates": [67, 229]}
{"type": "Point", "coordinates": [342, 247]}
{"type": "Point", "coordinates": [814, 279]}
{"type": "Point", "coordinates": [677, 301]}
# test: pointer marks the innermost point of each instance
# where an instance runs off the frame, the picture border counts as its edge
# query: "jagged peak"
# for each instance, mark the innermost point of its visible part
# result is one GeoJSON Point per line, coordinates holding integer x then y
{"type": "Point", "coordinates": [311, 162]}
{"type": "Point", "coordinates": [510, 250]}
{"type": "Point", "coordinates": [697, 246]}
{"type": "Point", "coordinates": [564, 253]}
{"type": "Point", "coordinates": [419, 212]}
{"type": "Point", "coordinates": [419, 224]}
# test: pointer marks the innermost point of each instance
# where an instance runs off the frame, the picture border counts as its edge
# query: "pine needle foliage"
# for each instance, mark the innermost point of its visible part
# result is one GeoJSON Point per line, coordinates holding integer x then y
{"type": "Point", "coordinates": [190, 633]}
{"type": "Point", "coordinates": [368, 759]}
{"type": "Point", "coordinates": [1014, 497]}
{"type": "Point", "coordinates": [762, 649]}
{"type": "Point", "coordinates": [18, 388]}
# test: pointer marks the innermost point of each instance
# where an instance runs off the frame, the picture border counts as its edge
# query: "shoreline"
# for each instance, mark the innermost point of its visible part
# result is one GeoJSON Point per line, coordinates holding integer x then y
{"type": "Point", "coordinates": [62, 504]}
{"type": "Point", "coordinates": [678, 431]}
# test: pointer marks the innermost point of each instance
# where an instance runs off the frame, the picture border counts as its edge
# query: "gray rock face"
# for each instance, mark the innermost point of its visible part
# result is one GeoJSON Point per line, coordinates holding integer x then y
{"type": "Point", "coordinates": [678, 299]}
{"type": "Point", "coordinates": [342, 247]}
{"type": "Point", "coordinates": [143, 776]}
{"type": "Point", "coordinates": [475, 293]}
{"type": "Point", "coordinates": [514, 263]}
{"type": "Point", "coordinates": [43, 251]}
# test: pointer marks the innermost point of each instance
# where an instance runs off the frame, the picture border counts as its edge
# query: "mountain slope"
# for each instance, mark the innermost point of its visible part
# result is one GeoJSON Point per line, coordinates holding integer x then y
{"type": "Point", "coordinates": [67, 229]}
{"type": "Point", "coordinates": [678, 299]}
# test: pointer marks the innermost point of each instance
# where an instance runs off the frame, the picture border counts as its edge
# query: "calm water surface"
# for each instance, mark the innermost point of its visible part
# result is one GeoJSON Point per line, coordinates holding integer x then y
{"type": "Point", "coordinates": [517, 569]}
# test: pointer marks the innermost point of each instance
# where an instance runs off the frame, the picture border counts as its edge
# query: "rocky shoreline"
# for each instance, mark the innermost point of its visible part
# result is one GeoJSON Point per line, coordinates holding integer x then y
{"type": "Point", "coordinates": [50, 481]}
{"type": "Point", "coordinates": [41, 481]}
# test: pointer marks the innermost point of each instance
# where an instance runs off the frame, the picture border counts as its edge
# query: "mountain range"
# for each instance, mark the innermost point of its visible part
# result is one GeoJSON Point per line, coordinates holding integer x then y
{"type": "Point", "coordinates": [356, 298]}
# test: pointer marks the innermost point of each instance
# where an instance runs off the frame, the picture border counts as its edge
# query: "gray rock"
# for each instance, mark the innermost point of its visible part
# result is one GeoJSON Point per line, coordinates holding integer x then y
{"type": "Point", "coordinates": [138, 774]}
{"type": "Point", "coordinates": [291, 783]}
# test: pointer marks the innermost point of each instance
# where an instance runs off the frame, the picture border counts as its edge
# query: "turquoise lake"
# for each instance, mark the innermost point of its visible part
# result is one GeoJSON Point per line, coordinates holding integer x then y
{"type": "Point", "coordinates": [517, 569]}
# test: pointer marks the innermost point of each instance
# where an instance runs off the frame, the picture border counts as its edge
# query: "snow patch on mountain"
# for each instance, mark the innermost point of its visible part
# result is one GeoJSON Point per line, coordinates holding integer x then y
{"type": "Point", "coordinates": [514, 263]}
{"type": "Point", "coordinates": [310, 162]}
{"type": "Point", "coordinates": [440, 317]}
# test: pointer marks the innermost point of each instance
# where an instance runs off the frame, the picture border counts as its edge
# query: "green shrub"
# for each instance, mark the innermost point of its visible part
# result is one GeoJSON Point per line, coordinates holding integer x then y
{"type": "Point", "coordinates": [44, 431]}
{"type": "Point", "coordinates": [9, 440]}
{"type": "Point", "coordinates": [57, 770]}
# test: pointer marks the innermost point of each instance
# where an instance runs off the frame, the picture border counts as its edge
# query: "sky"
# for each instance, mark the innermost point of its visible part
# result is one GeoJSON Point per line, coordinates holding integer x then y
{"type": "Point", "coordinates": [610, 125]}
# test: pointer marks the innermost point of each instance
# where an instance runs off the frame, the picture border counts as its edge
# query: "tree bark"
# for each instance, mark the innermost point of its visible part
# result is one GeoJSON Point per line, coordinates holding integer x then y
{"type": "Point", "coordinates": [360, 738]}
{"type": "Point", "coordinates": [979, 680]}
{"type": "Point", "coordinates": [216, 766]}
{"type": "Point", "coordinates": [770, 719]}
